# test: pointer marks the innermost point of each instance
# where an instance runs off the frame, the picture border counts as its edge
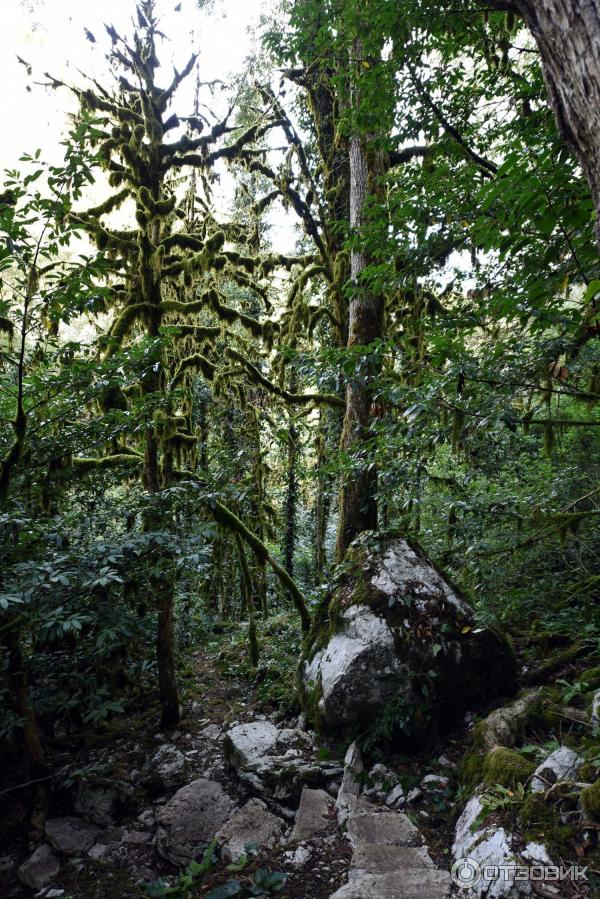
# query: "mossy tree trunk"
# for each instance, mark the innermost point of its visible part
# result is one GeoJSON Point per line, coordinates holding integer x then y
{"type": "Point", "coordinates": [291, 495]}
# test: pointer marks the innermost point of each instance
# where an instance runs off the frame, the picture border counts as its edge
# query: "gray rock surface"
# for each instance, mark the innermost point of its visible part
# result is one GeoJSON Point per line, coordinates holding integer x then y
{"type": "Point", "coordinates": [377, 858]}
{"type": "Point", "coordinates": [387, 598]}
{"type": "Point", "coordinates": [562, 764]}
{"type": "Point", "coordinates": [99, 800]}
{"type": "Point", "coordinates": [190, 819]}
{"type": "Point", "coordinates": [380, 781]}
{"type": "Point", "coordinates": [385, 829]}
{"type": "Point", "coordinates": [389, 860]}
{"type": "Point", "coordinates": [420, 884]}
{"type": "Point", "coordinates": [276, 762]}
{"type": "Point", "coordinates": [71, 836]}
{"type": "Point", "coordinates": [492, 846]}
{"type": "Point", "coordinates": [313, 815]}
{"type": "Point", "coordinates": [166, 769]}
{"type": "Point", "coordinates": [253, 823]}
{"type": "Point", "coordinates": [247, 745]}
{"type": "Point", "coordinates": [396, 797]}
{"type": "Point", "coordinates": [40, 868]}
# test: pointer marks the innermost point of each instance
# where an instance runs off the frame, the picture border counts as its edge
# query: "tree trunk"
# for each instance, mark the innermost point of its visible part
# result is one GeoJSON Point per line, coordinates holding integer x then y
{"type": "Point", "coordinates": [291, 503]}
{"type": "Point", "coordinates": [17, 673]}
{"type": "Point", "coordinates": [358, 491]}
{"type": "Point", "coordinates": [165, 655]}
{"type": "Point", "coordinates": [568, 36]}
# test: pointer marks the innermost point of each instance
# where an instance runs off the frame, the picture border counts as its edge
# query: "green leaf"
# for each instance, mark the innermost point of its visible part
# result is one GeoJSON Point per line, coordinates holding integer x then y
{"type": "Point", "coordinates": [231, 888]}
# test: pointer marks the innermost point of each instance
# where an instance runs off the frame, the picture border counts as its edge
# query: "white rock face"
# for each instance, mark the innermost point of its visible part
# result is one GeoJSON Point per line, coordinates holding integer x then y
{"type": "Point", "coordinates": [274, 761]}
{"type": "Point", "coordinates": [40, 868]}
{"type": "Point", "coordinates": [396, 797]}
{"type": "Point", "coordinates": [364, 642]}
{"type": "Point", "coordinates": [253, 823]}
{"type": "Point", "coordinates": [596, 709]}
{"type": "Point", "coordinates": [190, 819]}
{"type": "Point", "coordinates": [167, 768]}
{"type": "Point", "coordinates": [247, 744]}
{"type": "Point", "coordinates": [562, 764]}
{"type": "Point", "coordinates": [492, 846]}
{"type": "Point", "coordinates": [401, 570]}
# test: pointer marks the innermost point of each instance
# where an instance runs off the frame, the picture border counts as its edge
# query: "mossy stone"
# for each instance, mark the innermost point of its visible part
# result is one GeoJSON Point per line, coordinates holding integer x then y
{"type": "Point", "coordinates": [590, 799]}
{"type": "Point", "coordinates": [591, 677]}
{"type": "Point", "coordinates": [506, 767]}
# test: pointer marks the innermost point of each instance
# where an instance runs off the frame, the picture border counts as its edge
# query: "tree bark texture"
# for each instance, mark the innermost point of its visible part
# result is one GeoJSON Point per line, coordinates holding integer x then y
{"type": "Point", "coordinates": [358, 492]}
{"type": "Point", "coordinates": [567, 33]}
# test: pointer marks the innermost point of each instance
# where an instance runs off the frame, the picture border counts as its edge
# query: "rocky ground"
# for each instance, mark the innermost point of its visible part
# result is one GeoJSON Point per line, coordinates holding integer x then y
{"type": "Point", "coordinates": [295, 818]}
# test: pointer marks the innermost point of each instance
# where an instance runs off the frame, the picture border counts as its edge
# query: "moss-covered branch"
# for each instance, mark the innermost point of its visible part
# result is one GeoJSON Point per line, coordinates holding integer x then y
{"type": "Point", "coordinates": [317, 399]}
{"type": "Point", "coordinates": [229, 520]}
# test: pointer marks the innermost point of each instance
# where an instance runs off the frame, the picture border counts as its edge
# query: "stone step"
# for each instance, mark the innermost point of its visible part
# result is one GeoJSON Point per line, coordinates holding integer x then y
{"type": "Point", "coordinates": [388, 828]}
{"type": "Point", "coordinates": [375, 858]}
{"type": "Point", "coordinates": [428, 883]}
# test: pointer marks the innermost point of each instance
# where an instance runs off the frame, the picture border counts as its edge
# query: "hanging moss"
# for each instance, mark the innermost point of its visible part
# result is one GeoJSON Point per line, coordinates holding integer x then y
{"type": "Point", "coordinates": [195, 362]}
{"type": "Point", "coordinates": [6, 326]}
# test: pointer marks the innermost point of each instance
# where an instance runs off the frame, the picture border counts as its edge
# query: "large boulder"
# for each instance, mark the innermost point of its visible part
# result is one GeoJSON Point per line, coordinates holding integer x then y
{"type": "Point", "coordinates": [399, 642]}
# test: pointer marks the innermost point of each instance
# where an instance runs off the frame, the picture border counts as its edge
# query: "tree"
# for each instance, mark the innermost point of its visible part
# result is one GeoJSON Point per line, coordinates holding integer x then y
{"type": "Point", "coordinates": [567, 33]}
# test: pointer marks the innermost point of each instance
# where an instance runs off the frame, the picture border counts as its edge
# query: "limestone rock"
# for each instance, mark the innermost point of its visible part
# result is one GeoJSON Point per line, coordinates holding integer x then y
{"type": "Point", "coordinates": [40, 868]}
{"type": "Point", "coordinates": [353, 768]}
{"type": "Point", "coordinates": [420, 884]}
{"type": "Point", "coordinates": [276, 761]}
{"type": "Point", "coordinates": [562, 764]}
{"type": "Point", "coordinates": [299, 856]}
{"type": "Point", "coordinates": [386, 829]}
{"type": "Point", "coordinates": [377, 858]}
{"type": "Point", "coordinates": [491, 846]}
{"type": "Point", "coordinates": [396, 797]}
{"type": "Point", "coordinates": [253, 823]}
{"type": "Point", "coordinates": [434, 783]}
{"type": "Point", "coordinates": [380, 780]}
{"type": "Point", "coordinates": [389, 608]}
{"type": "Point", "coordinates": [190, 819]}
{"type": "Point", "coordinates": [166, 769]}
{"type": "Point", "coordinates": [211, 732]}
{"type": "Point", "coordinates": [71, 836]}
{"type": "Point", "coordinates": [313, 815]}
{"type": "Point", "coordinates": [247, 744]}
{"type": "Point", "coordinates": [596, 709]}
{"type": "Point", "coordinates": [99, 800]}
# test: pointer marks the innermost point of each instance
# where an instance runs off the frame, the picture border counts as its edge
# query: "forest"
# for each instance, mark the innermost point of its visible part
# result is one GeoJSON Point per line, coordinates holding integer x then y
{"type": "Point", "coordinates": [299, 557]}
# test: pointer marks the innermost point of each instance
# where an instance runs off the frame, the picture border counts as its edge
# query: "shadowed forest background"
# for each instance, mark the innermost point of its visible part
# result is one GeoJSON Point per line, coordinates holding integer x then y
{"type": "Point", "coordinates": [210, 446]}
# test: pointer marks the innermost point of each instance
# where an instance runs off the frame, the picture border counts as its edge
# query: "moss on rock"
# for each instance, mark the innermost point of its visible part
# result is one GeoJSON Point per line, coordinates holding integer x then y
{"type": "Point", "coordinates": [590, 799]}
{"type": "Point", "coordinates": [506, 767]}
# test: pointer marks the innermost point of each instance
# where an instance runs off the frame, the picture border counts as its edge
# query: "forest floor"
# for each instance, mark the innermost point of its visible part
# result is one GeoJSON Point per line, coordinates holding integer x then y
{"type": "Point", "coordinates": [218, 696]}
